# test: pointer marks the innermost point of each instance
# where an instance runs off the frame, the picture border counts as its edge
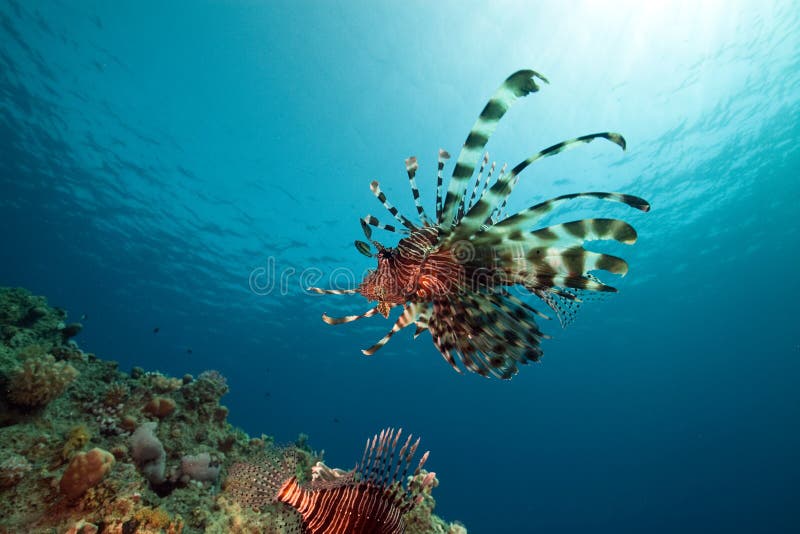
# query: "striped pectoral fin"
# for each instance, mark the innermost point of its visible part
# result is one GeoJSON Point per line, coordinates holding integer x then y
{"type": "Point", "coordinates": [443, 341]}
{"type": "Point", "coordinates": [545, 269]}
{"type": "Point", "coordinates": [577, 261]}
{"type": "Point", "coordinates": [587, 230]}
{"type": "Point", "coordinates": [478, 180]}
{"type": "Point", "coordinates": [519, 84]}
{"type": "Point", "coordinates": [493, 198]}
{"type": "Point", "coordinates": [411, 169]}
{"type": "Point", "coordinates": [522, 304]}
{"type": "Point", "coordinates": [376, 190]}
{"type": "Point", "coordinates": [409, 315]}
{"type": "Point", "coordinates": [369, 220]}
{"type": "Point", "coordinates": [365, 227]}
{"type": "Point", "coordinates": [363, 248]}
{"type": "Point", "coordinates": [322, 291]}
{"type": "Point", "coordinates": [524, 219]}
{"type": "Point", "coordinates": [349, 318]}
{"type": "Point", "coordinates": [587, 283]}
{"type": "Point", "coordinates": [465, 204]}
{"type": "Point", "coordinates": [443, 156]}
{"type": "Point", "coordinates": [422, 320]}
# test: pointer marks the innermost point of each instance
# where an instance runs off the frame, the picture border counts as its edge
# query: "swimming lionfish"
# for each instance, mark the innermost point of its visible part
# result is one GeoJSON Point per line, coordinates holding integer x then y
{"type": "Point", "coordinates": [370, 499]}
{"type": "Point", "coordinates": [453, 274]}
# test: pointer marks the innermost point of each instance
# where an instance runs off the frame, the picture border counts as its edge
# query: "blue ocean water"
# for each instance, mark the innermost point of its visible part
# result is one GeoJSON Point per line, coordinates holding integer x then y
{"type": "Point", "coordinates": [160, 160]}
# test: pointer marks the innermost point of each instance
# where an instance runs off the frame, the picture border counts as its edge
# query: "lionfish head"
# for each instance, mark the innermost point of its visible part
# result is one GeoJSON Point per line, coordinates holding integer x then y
{"type": "Point", "coordinates": [384, 284]}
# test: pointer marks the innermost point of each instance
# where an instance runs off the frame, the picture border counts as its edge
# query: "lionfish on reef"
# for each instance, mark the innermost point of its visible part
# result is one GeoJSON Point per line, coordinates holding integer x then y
{"type": "Point", "coordinates": [370, 499]}
{"type": "Point", "coordinates": [452, 274]}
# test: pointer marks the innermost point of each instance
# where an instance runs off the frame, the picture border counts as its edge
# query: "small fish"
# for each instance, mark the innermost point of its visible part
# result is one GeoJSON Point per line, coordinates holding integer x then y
{"type": "Point", "coordinates": [156, 330]}
{"type": "Point", "coordinates": [452, 274]}
{"type": "Point", "coordinates": [188, 351]}
{"type": "Point", "coordinates": [84, 317]}
{"type": "Point", "coordinates": [371, 499]}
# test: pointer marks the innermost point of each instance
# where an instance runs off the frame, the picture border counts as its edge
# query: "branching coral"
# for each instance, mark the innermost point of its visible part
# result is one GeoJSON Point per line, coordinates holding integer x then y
{"type": "Point", "coordinates": [39, 380]}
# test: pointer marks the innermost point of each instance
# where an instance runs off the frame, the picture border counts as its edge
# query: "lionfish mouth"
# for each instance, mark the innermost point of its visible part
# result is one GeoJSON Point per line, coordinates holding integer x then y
{"type": "Point", "coordinates": [453, 274]}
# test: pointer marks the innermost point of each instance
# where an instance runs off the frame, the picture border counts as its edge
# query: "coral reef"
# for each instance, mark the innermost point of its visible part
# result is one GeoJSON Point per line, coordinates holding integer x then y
{"type": "Point", "coordinates": [85, 471]}
{"type": "Point", "coordinates": [86, 448]}
{"type": "Point", "coordinates": [39, 380]}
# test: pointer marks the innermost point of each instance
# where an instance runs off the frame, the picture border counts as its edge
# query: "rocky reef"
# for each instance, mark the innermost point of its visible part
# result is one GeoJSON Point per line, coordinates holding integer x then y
{"type": "Point", "coordinates": [87, 448]}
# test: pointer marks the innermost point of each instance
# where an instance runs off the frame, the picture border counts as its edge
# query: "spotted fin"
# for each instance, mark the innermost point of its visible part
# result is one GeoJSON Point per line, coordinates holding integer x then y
{"type": "Point", "coordinates": [489, 333]}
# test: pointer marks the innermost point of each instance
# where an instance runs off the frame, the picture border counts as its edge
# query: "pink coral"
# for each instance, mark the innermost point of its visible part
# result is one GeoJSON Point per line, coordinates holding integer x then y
{"type": "Point", "coordinates": [85, 471]}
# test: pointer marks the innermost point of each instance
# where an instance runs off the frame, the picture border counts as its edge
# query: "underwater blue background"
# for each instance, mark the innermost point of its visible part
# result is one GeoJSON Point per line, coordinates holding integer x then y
{"type": "Point", "coordinates": [155, 155]}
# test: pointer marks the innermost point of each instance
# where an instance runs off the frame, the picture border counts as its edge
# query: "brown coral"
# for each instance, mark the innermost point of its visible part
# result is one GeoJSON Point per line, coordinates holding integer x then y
{"type": "Point", "coordinates": [115, 394]}
{"type": "Point", "coordinates": [86, 470]}
{"type": "Point", "coordinates": [160, 407]}
{"type": "Point", "coordinates": [39, 380]}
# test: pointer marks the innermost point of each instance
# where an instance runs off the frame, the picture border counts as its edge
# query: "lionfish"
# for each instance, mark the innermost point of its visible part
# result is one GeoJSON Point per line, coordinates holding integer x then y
{"type": "Point", "coordinates": [370, 499]}
{"type": "Point", "coordinates": [453, 275]}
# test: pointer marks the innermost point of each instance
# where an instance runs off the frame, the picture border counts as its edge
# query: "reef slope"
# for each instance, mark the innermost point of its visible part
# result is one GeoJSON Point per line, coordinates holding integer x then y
{"type": "Point", "coordinates": [87, 448]}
